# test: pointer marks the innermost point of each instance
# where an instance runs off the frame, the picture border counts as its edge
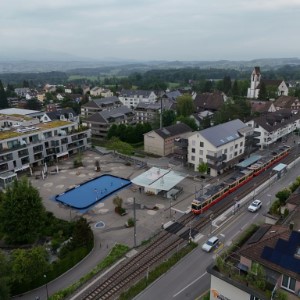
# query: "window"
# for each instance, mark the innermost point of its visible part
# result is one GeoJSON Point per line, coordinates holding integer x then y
{"type": "Point", "coordinates": [241, 144]}
{"type": "Point", "coordinates": [235, 146]}
{"type": "Point", "coordinates": [201, 144]}
{"type": "Point", "coordinates": [193, 158]}
{"type": "Point", "coordinates": [235, 153]}
{"type": "Point", "coordinates": [288, 283]}
{"type": "Point", "coordinates": [201, 152]}
{"type": "Point", "coordinates": [241, 151]}
{"type": "Point", "coordinates": [253, 298]}
{"type": "Point", "coordinates": [225, 150]}
{"type": "Point", "coordinates": [193, 150]}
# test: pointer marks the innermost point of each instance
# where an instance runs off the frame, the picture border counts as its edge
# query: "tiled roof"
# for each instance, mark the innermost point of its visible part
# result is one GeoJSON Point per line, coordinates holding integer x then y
{"type": "Point", "coordinates": [173, 130]}
{"type": "Point", "coordinates": [55, 115]}
{"type": "Point", "coordinates": [285, 101]}
{"type": "Point", "coordinates": [260, 106]}
{"type": "Point", "coordinates": [294, 198]}
{"type": "Point", "coordinates": [209, 101]}
{"type": "Point", "coordinates": [274, 120]}
{"type": "Point", "coordinates": [269, 82]}
{"type": "Point", "coordinates": [270, 238]}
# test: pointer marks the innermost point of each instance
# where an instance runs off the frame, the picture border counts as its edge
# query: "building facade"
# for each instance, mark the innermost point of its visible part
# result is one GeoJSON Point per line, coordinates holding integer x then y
{"type": "Point", "coordinates": [131, 98]}
{"type": "Point", "coordinates": [220, 147]}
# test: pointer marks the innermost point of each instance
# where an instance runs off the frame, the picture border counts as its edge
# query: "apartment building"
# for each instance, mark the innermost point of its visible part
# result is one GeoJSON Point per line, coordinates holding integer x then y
{"type": "Point", "coordinates": [272, 127]}
{"type": "Point", "coordinates": [26, 142]}
{"type": "Point", "coordinates": [131, 98]}
{"type": "Point", "coordinates": [220, 146]}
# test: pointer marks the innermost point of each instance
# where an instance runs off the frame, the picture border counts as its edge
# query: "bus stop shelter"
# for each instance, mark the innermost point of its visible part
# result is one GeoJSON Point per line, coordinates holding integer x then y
{"type": "Point", "coordinates": [280, 169]}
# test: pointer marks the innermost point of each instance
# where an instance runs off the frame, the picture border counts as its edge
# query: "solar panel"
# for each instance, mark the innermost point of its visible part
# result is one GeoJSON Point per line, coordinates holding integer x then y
{"type": "Point", "coordinates": [258, 234]}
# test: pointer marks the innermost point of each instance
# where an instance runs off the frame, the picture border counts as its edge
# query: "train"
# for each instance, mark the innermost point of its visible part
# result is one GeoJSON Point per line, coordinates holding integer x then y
{"type": "Point", "coordinates": [220, 191]}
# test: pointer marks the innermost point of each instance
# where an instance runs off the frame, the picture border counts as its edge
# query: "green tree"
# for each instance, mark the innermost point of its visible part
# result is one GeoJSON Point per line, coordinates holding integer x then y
{"type": "Point", "coordinates": [226, 84]}
{"type": "Point", "coordinates": [21, 212]}
{"type": "Point", "coordinates": [235, 90]}
{"type": "Point", "coordinates": [4, 276]}
{"type": "Point", "coordinates": [33, 104]}
{"type": "Point", "coordinates": [202, 168]}
{"type": "Point", "coordinates": [168, 117]}
{"type": "Point", "coordinates": [185, 105]}
{"type": "Point", "coordinates": [283, 195]}
{"type": "Point", "coordinates": [3, 97]}
{"type": "Point", "coordinates": [113, 131]}
{"type": "Point", "coordinates": [188, 121]}
{"type": "Point", "coordinates": [29, 265]}
{"type": "Point", "coordinates": [262, 95]}
{"type": "Point", "coordinates": [82, 234]}
{"type": "Point", "coordinates": [122, 147]}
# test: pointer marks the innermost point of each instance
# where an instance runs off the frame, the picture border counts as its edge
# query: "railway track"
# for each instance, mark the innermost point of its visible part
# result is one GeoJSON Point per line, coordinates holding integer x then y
{"type": "Point", "coordinates": [167, 242]}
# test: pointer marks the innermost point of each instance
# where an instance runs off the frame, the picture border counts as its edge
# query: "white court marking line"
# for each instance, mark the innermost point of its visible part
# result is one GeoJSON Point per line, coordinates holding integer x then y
{"type": "Point", "coordinates": [189, 285]}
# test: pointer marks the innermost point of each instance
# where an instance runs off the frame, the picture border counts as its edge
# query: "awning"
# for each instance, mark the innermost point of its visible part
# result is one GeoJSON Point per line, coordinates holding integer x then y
{"type": "Point", "coordinates": [62, 154]}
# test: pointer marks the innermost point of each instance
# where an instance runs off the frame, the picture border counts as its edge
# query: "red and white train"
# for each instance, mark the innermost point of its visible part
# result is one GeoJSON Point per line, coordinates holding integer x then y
{"type": "Point", "coordinates": [220, 191]}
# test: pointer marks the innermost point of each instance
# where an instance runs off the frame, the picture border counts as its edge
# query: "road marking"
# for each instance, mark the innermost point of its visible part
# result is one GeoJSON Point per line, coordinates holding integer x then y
{"type": "Point", "coordinates": [189, 285]}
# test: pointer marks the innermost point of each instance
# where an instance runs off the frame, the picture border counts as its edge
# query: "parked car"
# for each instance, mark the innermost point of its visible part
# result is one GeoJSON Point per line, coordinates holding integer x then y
{"type": "Point", "coordinates": [210, 244]}
{"type": "Point", "coordinates": [255, 206]}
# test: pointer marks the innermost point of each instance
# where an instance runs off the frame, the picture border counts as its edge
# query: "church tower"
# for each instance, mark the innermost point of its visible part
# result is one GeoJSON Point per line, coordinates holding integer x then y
{"type": "Point", "coordinates": [255, 80]}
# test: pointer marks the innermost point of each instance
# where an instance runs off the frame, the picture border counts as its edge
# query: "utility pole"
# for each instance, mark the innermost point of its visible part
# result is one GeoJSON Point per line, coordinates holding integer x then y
{"type": "Point", "coordinates": [134, 220]}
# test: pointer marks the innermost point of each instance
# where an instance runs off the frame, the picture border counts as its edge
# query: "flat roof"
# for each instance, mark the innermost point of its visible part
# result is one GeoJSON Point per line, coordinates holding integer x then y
{"type": "Point", "coordinates": [249, 161]}
{"type": "Point", "coordinates": [157, 178]}
{"type": "Point", "coordinates": [279, 167]}
{"type": "Point", "coordinates": [17, 111]}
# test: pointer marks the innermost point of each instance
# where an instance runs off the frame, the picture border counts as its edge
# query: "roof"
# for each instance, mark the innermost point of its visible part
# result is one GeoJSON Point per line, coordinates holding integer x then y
{"type": "Point", "coordinates": [96, 103]}
{"type": "Point", "coordinates": [17, 111]}
{"type": "Point", "coordinates": [275, 120]}
{"type": "Point", "coordinates": [104, 115]}
{"type": "Point", "coordinates": [132, 93]}
{"type": "Point", "coordinates": [270, 82]}
{"type": "Point", "coordinates": [55, 115]}
{"type": "Point", "coordinates": [285, 101]}
{"type": "Point", "coordinates": [249, 161]}
{"type": "Point", "coordinates": [275, 247]}
{"type": "Point", "coordinates": [209, 101]}
{"type": "Point", "coordinates": [159, 179]}
{"type": "Point", "coordinates": [260, 106]}
{"type": "Point", "coordinates": [294, 198]}
{"type": "Point", "coordinates": [173, 130]}
{"type": "Point", "coordinates": [223, 133]}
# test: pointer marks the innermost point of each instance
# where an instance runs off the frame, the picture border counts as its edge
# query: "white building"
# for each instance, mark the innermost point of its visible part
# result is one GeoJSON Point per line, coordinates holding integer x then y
{"type": "Point", "coordinates": [131, 98]}
{"type": "Point", "coordinates": [220, 146]}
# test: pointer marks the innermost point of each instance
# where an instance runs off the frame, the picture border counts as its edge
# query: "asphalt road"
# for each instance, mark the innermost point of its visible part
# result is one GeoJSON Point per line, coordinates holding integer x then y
{"type": "Point", "coordinates": [188, 279]}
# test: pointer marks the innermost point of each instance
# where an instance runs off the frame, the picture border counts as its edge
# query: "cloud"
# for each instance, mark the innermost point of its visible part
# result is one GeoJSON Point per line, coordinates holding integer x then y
{"type": "Point", "coordinates": [153, 29]}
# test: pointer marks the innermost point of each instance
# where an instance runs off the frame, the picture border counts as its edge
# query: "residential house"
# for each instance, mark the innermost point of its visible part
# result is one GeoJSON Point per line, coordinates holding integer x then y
{"type": "Point", "coordinates": [13, 101]}
{"type": "Point", "coordinates": [150, 112]}
{"type": "Point", "coordinates": [21, 92]}
{"type": "Point", "coordinates": [271, 257]}
{"type": "Point", "coordinates": [66, 114]}
{"type": "Point", "coordinates": [288, 102]}
{"type": "Point", "coordinates": [256, 80]}
{"type": "Point", "coordinates": [25, 142]}
{"type": "Point", "coordinates": [203, 118]}
{"type": "Point", "coordinates": [161, 141]}
{"type": "Point", "coordinates": [220, 146]}
{"type": "Point", "coordinates": [95, 91]}
{"type": "Point", "coordinates": [131, 98]}
{"type": "Point", "coordinates": [100, 122]}
{"type": "Point", "coordinates": [172, 95]}
{"type": "Point", "coordinates": [41, 96]}
{"type": "Point", "coordinates": [262, 106]}
{"type": "Point", "coordinates": [49, 88]}
{"type": "Point", "coordinates": [272, 127]}
{"type": "Point", "coordinates": [209, 101]}
{"type": "Point", "coordinates": [85, 89]}
{"type": "Point", "coordinates": [97, 105]}
{"type": "Point", "coordinates": [60, 97]}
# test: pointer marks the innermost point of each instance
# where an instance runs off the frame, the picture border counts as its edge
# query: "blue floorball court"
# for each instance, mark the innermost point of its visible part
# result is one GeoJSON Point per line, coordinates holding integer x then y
{"type": "Point", "coordinates": [90, 192]}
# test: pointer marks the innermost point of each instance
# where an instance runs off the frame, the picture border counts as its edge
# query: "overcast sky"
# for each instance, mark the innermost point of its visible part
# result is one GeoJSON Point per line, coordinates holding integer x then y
{"type": "Point", "coordinates": [153, 29]}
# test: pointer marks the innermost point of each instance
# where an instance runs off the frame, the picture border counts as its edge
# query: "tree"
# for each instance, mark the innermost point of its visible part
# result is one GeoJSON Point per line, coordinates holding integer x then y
{"type": "Point", "coordinates": [262, 95]}
{"type": "Point", "coordinates": [283, 195]}
{"type": "Point", "coordinates": [82, 235]}
{"type": "Point", "coordinates": [189, 122]}
{"type": "Point", "coordinates": [168, 117]}
{"type": "Point", "coordinates": [235, 90]}
{"type": "Point", "coordinates": [226, 84]}
{"type": "Point", "coordinates": [122, 147]}
{"type": "Point", "coordinates": [3, 97]}
{"type": "Point", "coordinates": [21, 212]}
{"type": "Point", "coordinates": [4, 276]}
{"type": "Point", "coordinates": [202, 168]}
{"type": "Point", "coordinates": [33, 104]}
{"type": "Point", "coordinates": [29, 265]}
{"type": "Point", "coordinates": [185, 105]}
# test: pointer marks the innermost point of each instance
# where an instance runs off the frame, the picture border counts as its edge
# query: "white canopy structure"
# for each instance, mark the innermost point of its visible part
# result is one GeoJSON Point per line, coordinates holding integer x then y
{"type": "Point", "coordinates": [156, 180]}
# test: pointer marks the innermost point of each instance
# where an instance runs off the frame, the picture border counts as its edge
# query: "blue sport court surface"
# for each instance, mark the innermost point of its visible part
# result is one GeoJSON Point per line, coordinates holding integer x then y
{"type": "Point", "coordinates": [90, 192]}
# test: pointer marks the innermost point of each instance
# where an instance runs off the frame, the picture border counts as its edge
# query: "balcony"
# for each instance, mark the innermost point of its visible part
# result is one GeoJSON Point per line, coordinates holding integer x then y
{"type": "Point", "coordinates": [181, 143]}
{"type": "Point", "coordinates": [217, 167]}
{"type": "Point", "coordinates": [215, 158]}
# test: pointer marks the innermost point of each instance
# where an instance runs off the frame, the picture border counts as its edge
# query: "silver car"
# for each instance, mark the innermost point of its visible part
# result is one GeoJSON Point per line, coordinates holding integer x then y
{"type": "Point", "coordinates": [210, 244]}
{"type": "Point", "coordinates": [255, 206]}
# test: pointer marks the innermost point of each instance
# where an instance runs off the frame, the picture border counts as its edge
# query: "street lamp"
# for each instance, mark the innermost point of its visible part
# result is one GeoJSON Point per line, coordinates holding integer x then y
{"type": "Point", "coordinates": [45, 276]}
